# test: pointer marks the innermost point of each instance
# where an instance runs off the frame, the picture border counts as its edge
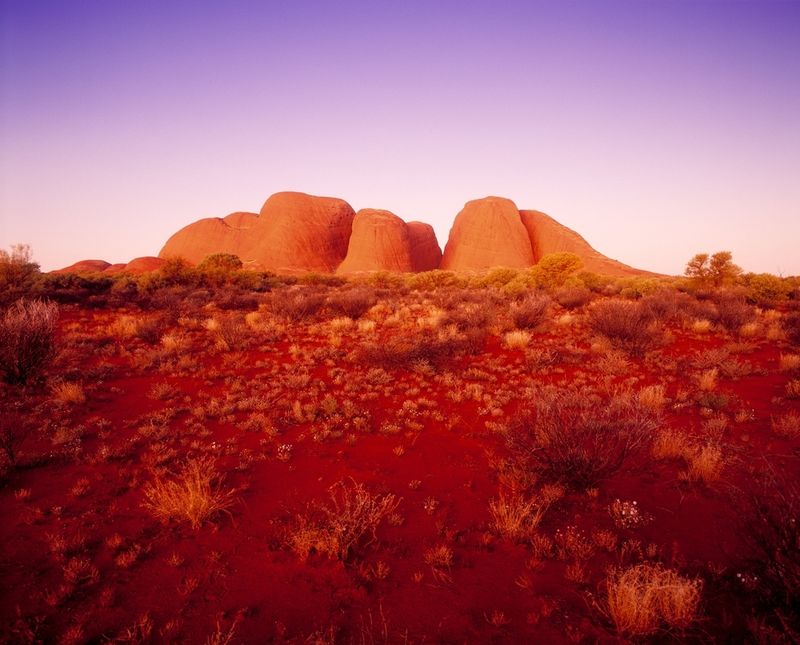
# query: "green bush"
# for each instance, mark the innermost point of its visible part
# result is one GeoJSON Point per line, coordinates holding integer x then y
{"type": "Point", "coordinates": [18, 273]}
{"type": "Point", "coordinates": [765, 288]}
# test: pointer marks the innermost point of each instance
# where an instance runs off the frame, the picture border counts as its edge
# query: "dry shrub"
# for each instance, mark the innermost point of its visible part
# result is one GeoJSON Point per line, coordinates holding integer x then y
{"type": "Point", "coordinates": [629, 326]}
{"type": "Point", "coordinates": [573, 297]}
{"type": "Point", "coordinates": [770, 525]}
{"type": "Point", "coordinates": [665, 304]}
{"type": "Point", "coordinates": [27, 340]}
{"type": "Point", "coordinates": [787, 425]}
{"type": "Point", "coordinates": [335, 529]}
{"type": "Point", "coordinates": [403, 351]}
{"type": "Point", "coordinates": [701, 326]}
{"type": "Point", "coordinates": [646, 596]}
{"type": "Point", "coordinates": [14, 430]}
{"type": "Point", "coordinates": [572, 437]}
{"type": "Point", "coordinates": [151, 329]}
{"type": "Point", "coordinates": [296, 304]}
{"type": "Point", "coordinates": [195, 494]}
{"type": "Point", "coordinates": [733, 312]}
{"type": "Point", "coordinates": [516, 517]}
{"type": "Point", "coordinates": [230, 332]}
{"type": "Point", "coordinates": [791, 327]}
{"type": "Point", "coordinates": [352, 303]}
{"type": "Point", "coordinates": [530, 312]}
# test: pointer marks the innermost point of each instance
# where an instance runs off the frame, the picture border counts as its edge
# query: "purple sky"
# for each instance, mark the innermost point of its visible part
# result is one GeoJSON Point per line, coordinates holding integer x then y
{"type": "Point", "coordinates": [655, 129]}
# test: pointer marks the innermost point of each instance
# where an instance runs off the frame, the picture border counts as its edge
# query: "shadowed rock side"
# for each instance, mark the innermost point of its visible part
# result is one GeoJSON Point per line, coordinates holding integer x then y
{"type": "Point", "coordinates": [425, 252]}
{"type": "Point", "coordinates": [548, 236]}
{"type": "Point", "coordinates": [380, 241]}
{"type": "Point", "coordinates": [487, 233]}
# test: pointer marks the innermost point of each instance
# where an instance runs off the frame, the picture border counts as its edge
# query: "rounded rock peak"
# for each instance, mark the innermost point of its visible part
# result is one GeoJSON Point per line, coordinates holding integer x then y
{"type": "Point", "coordinates": [379, 242]}
{"type": "Point", "coordinates": [488, 232]}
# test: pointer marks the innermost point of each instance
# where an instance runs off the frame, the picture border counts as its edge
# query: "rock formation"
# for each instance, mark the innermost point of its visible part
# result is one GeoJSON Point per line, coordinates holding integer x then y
{"type": "Point", "coordinates": [425, 252]}
{"type": "Point", "coordinates": [212, 235]}
{"type": "Point", "coordinates": [85, 266]}
{"type": "Point", "coordinates": [144, 264]}
{"type": "Point", "coordinates": [380, 241]}
{"type": "Point", "coordinates": [293, 233]}
{"type": "Point", "coordinates": [548, 236]}
{"type": "Point", "coordinates": [487, 233]}
{"type": "Point", "coordinates": [298, 233]}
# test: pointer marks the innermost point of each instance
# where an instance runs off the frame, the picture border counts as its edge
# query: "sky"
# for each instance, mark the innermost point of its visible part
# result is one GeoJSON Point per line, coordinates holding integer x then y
{"type": "Point", "coordinates": [656, 129]}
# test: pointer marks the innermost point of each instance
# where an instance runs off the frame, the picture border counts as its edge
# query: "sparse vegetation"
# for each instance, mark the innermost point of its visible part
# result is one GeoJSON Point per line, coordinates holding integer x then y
{"type": "Point", "coordinates": [196, 494]}
{"type": "Point", "coordinates": [337, 527]}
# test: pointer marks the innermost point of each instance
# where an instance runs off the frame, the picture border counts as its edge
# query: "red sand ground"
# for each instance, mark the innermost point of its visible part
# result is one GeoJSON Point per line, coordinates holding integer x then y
{"type": "Point", "coordinates": [180, 584]}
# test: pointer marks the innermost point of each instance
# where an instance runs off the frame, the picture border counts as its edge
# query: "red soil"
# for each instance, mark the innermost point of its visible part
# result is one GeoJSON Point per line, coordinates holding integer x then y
{"type": "Point", "coordinates": [236, 571]}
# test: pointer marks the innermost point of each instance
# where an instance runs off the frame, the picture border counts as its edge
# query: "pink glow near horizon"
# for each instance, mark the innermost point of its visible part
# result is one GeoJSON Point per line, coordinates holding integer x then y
{"type": "Point", "coordinates": [656, 130]}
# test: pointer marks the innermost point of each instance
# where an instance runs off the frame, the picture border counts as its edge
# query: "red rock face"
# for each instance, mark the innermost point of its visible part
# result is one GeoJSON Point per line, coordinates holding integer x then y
{"type": "Point", "coordinates": [379, 242]}
{"type": "Point", "coordinates": [296, 233]}
{"type": "Point", "coordinates": [211, 235]}
{"type": "Point", "coordinates": [425, 252]}
{"type": "Point", "coordinates": [144, 264]}
{"type": "Point", "coordinates": [487, 233]}
{"type": "Point", "coordinates": [548, 236]}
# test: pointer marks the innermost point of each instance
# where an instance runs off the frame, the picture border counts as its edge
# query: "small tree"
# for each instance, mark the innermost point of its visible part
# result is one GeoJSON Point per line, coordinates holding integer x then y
{"type": "Point", "coordinates": [17, 273]}
{"type": "Point", "coordinates": [715, 270]}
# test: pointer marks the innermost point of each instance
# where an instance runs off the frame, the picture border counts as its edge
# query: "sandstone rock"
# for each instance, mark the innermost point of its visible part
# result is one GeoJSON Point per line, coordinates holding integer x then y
{"type": "Point", "coordinates": [213, 235]}
{"type": "Point", "coordinates": [379, 242]}
{"type": "Point", "coordinates": [299, 233]}
{"type": "Point", "coordinates": [118, 267]}
{"type": "Point", "coordinates": [425, 252]}
{"type": "Point", "coordinates": [548, 236]}
{"type": "Point", "coordinates": [487, 232]}
{"type": "Point", "coordinates": [144, 264]}
{"type": "Point", "coordinates": [293, 233]}
{"type": "Point", "coordinates": [85, 266]}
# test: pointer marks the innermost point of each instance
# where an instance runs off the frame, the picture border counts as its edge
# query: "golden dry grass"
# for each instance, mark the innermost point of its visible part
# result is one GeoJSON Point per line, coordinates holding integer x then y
{"type": "Point", "coordinates": [194, 495]}
{"type": "Point", "coordinates": [707, 381]}
{"type": "Point", "coordinates": [652, 397]}
{"type": "Point", "coordinates": [789, 362]}
{"type": "Point", "coordinates": [705, 464]}
{"type": "Point", "coordinates": [516, 517]}
{"type": "Point", "coordinates": [69, 393]}
{"type": "Point", "coordinates": [517, 339]}
{"type": "Point", "coordinates": [646, 596]}
{"type": "Point", "coordinates": [671, 444]}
